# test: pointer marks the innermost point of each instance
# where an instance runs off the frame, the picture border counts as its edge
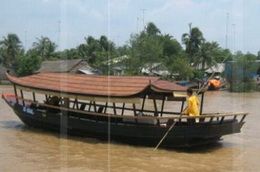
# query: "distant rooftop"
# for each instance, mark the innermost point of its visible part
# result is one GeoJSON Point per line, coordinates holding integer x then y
{"type": "Point", "coordinates": [67, 66]}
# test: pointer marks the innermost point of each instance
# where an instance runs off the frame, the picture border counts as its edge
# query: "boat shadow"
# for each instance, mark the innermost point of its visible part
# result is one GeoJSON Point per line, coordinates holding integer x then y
{"type": "Point", "coordinates": [208, 148]}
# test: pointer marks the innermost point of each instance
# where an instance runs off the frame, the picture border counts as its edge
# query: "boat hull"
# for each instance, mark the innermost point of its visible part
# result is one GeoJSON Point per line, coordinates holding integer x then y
{"type": "Point", "coordinates": [182, 135]}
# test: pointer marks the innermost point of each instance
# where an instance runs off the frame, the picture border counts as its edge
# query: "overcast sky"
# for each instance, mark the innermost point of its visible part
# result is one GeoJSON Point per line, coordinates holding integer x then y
{"type": "Point", "coordinates": [119, 18]}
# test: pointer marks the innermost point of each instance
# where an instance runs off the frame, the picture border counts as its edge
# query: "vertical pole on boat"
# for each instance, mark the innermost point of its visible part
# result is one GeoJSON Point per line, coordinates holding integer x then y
{"type": "Point", "coordinates": [105, 111]}
{"type": "Point", "coordinates": [162, 107]}
{"type": "Point", "coordinates": [21, 91]}
{"type": "Point", "coordinates": [134, 108]}
{"type": "Point", "coordinates": [143, 103]}
{"type": "Point", "coordinates": [123, 109]}
{"type": "Point", "coordinates": [95, 106]}
{"type": "Point", "coordinates": [182, 106]}
{"type": "Point", "coordinates": [15, 92]}
{"type": "Point", "coordinates": [114, 108]}
{"type": "Point", "coordinates": [89, 106]}
{"type": "Point", "coordinates": [201, 102]}
{"type": "Point", "coordinates": [46, 97]}
{"type": "Point", "coordinates": [155, 108]}
{"type": "Point", "coordinates": [34, 99]}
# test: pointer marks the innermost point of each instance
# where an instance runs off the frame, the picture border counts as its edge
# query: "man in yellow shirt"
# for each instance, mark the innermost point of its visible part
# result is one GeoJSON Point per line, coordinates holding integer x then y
{"type": "Point", "coordinates": [192, 108]}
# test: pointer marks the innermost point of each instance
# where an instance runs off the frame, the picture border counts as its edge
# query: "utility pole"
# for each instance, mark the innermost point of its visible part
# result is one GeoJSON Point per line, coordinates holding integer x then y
{"type": "Point", "coordinates": [234, 37]}
{"type": "Point", "coordinates": [143, 10]}
{"type": "Point", "coordinates": [137, 25]}
{"type": "Point", "coordinates": [190, 26]}
{"type": "Point", "coordinates": [25, 39]}
{"type": "Point", "coordinates": [59, 33]}
{"type": "Point", "coordinates": [227, 23]}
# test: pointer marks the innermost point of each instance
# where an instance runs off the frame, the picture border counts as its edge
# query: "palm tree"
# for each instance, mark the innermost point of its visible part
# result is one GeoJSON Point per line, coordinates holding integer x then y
{"type": "Point", "coordinates": [11, 47]}
{"type": "Point", "coordinates": [104, 43]}
{"type": "Point", "coordinates": [44, 47]}
{"type": "Point", "coordinates": [192, 41]}
{"type": "Point", "coordinates": [207, 55]}
{"type": "Point", "coordinates": [152, 29]}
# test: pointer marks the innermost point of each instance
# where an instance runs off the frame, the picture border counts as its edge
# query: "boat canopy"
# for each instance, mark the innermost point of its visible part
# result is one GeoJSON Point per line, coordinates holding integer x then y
{"type": "Point", "coordinates": [91, 85]}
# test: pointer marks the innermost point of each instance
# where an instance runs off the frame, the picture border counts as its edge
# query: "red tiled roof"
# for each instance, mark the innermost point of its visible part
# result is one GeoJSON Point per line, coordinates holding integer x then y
{"type": "Point", "coordinates": [116, 86]}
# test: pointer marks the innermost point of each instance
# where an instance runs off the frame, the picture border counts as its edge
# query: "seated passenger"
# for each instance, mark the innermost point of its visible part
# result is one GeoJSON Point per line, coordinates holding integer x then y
{"type": "Point", "coordinates": [192, 108]}
{"type": "Point", "coordinates": [54, 100]}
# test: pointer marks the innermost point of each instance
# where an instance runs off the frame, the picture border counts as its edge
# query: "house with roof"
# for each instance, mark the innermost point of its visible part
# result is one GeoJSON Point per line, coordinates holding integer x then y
{"type": "Point", "coordinates": [67, 66]}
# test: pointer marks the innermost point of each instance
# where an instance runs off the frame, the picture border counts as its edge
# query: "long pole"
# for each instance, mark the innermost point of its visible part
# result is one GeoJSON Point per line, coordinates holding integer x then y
{"type": "Point", "coordinates": [167, 132]}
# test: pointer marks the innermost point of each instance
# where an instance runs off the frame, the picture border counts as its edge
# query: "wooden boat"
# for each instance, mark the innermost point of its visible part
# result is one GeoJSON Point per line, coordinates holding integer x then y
{"type": "Point", "coordinates": [115, 108]}
{"type": "Point", "coordinates": [215, 84]}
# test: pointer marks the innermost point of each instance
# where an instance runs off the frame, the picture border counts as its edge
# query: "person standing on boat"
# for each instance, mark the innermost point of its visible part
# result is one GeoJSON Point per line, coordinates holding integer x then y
{"type": "Point", "coordinates": [192, 108]}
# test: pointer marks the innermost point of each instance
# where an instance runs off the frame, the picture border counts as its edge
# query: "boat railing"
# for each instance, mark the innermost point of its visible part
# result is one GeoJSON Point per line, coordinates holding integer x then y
{"type": "Point", "coordinates": [216, 118]}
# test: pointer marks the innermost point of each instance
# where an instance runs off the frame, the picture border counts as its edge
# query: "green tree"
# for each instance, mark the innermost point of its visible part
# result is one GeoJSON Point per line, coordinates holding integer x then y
{"type": "Point", "coordinates": [152, 29]}
{"type": "Point", "coordinates": [207, 55]}
{"type": "Point", "coordinates": [170, 46]}
{"type": "Point", "coordinates": [11, 48]}
{"type": "Point", "coordinates": [45, 48]}
{"type": "Point", "coordinates": [145, 50]}
{"type": "Point", "coordinates": [258, 55]}
{"type": "Point", "coordinates": [179, 66]}
{"type": "Point", "coordinates": [192, 41]}
{"type": "Point", "coordinates": [28, 64]}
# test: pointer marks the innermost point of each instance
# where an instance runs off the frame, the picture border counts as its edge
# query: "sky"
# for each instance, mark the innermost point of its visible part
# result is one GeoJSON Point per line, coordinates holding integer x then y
{"type": "Point", "coordinates": [67, 22]}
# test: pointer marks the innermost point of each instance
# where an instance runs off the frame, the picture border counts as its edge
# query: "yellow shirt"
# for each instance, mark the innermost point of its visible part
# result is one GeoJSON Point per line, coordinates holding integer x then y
{"type": "Point", "coordinates": [192, 106]}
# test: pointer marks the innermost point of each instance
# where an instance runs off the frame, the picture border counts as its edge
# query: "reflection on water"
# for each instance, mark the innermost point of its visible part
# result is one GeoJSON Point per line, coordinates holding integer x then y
{"type": "Point", "coordinates": [25, 149]}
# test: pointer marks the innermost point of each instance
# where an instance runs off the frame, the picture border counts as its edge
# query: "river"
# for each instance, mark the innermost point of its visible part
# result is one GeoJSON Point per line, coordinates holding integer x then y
{"type": "Point", "coordinates": [26, 149]}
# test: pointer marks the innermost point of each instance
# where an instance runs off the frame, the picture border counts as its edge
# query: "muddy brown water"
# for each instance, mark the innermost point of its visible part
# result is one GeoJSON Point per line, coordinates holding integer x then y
{"type": "Point", "coordinates": [26, 149]}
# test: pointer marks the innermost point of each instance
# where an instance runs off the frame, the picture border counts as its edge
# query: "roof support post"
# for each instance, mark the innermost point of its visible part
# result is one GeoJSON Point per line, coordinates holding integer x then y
{"type": "Point", "coordinates": [143, 103]}
{"type": "Point", "coordinates": [162, 107]}
{"type": "Point", "coordinates": [201, 103]}
{"type": "Point", "coordinates": [21, 91]}
{"type": "Point", "coordinates": [105, 111]}
{"type": "Point", "coordinates": [123, 109]}
{"type": "Point", "coordinates": [114, 108]}
{"type": "Point", "coordinates": [95, 107]}
{"type": "Point", "coordinates": [182, 106]}
{"type": "Point", "coordinates": [34, 99]}
{"type": "Point", "coordinates": [134, 108]}
{"type": "Point", "coordinates": [15, 92]}
{"type": "Point", "coordinates": [89, 106]}
{"type": "Point", "coordinates": [155, 108]}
